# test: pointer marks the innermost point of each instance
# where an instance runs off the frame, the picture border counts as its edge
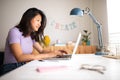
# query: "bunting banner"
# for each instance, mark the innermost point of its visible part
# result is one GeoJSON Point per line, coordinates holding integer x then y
{"type": "Point", "coordinates": [66, 27]}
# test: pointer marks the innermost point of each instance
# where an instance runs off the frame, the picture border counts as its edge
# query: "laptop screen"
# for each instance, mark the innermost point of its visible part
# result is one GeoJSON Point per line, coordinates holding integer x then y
{"type": "Point", "coordinates": [77, 43]}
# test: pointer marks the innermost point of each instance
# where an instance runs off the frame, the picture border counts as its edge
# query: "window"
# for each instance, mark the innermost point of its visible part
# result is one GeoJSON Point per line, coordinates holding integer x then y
{"type": "Point", "coordinates": [113, 8]}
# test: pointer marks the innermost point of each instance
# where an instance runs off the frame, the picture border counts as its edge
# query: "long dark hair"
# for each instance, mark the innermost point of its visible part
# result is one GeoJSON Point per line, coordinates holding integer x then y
{"type": "Point", "coordinates": [25, 24]}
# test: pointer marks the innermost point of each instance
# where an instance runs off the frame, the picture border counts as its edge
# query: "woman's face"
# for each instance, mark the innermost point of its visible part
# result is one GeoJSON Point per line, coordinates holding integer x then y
{"type": "Point", "coordinates": [36, 22]}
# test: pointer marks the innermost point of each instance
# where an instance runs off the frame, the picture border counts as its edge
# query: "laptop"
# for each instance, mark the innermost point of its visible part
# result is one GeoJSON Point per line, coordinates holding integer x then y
{"type": "Point", "coordinates": [68, 56]}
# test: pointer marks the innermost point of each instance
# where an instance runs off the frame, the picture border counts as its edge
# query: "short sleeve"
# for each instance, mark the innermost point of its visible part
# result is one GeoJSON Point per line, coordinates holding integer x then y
{"type": "Point", "coordinates": [33, 41]}
{"type": "Point", "coordinates": [14, 36]}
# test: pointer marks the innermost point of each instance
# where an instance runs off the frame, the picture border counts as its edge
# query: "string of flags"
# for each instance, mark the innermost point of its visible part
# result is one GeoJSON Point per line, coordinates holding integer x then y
{"type": "Point", "coordinates": [66, 27]}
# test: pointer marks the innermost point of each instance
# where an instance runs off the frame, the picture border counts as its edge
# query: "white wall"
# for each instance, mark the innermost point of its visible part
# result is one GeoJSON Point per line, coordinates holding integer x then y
{"type": "Point", "coordinates": [57, 12]}
{"type": "Point", "coordinates": [100, 11]}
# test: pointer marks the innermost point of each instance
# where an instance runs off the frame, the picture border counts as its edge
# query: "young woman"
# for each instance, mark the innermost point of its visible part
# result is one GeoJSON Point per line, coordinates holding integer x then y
{"type": "Point", "coordinates": [25, 36]}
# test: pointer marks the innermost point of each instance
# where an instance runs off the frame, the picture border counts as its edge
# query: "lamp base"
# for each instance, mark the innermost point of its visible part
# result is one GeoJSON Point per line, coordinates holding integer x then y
{"type": "Point", "coordinates": [101, 53]}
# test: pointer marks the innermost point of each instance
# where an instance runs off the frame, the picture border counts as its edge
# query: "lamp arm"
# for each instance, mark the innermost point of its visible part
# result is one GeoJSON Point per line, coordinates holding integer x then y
{"type": "Point", "coordinates": [99, 28]}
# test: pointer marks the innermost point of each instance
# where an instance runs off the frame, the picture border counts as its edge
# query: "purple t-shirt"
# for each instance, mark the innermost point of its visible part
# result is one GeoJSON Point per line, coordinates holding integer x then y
{"type": "Point", "coordinates": [15, 36]}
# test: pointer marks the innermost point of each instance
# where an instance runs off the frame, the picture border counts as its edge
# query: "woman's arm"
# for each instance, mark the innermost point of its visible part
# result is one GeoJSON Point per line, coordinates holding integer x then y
{"type": "Point", "coordinates": [47, 53]}
{"type": "Point", "coordinates": [39, 48]}
{"type": "Point", "coordinates": [21, 57]}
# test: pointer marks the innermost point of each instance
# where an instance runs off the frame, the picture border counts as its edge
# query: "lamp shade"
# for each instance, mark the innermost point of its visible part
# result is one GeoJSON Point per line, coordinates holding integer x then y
{"type": "Point", "coordinates": [76, 11]}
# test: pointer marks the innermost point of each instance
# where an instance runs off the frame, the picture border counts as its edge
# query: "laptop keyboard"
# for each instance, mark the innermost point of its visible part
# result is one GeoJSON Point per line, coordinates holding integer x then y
{"type": "Point", "coordinates": [65, 56]}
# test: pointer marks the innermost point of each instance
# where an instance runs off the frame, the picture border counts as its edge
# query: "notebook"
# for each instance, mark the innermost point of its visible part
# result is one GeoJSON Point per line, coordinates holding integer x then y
{"type": "Point", "coordinates": [68, 56]}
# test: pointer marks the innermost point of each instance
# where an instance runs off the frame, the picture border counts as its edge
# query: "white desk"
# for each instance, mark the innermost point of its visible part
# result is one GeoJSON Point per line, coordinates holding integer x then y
{"type": "Point", "coordinates": [72, 72]}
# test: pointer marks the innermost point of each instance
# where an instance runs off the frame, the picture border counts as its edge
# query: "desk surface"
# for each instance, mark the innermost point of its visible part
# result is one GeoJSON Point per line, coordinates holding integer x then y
{"type": "Point", "coordinates": [71, 72]}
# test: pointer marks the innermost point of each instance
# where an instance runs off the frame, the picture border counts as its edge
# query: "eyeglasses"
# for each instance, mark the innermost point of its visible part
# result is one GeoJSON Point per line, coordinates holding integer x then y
{"type": "Point", "coordinates": [98, 68]}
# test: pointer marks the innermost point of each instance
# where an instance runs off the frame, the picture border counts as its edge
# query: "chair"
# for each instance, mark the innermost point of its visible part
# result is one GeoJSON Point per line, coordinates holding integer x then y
{"type": "Point", "coordinates": [1, 57]}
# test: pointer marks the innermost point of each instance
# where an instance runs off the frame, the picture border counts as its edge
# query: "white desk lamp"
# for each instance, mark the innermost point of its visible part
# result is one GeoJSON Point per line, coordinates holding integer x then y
{"type": "Point", "coordinates": [79, 12]}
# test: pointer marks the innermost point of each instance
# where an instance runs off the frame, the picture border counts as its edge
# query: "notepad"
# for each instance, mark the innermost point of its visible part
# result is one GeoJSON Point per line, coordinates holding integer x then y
{"type": "Point", "coordinates": [50, 68]}
{"type": "Point", "coordinates": [112, 56]}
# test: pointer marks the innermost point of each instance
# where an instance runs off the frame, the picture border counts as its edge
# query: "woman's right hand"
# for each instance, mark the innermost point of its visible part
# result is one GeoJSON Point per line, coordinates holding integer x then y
{"type": "Point", "coordinates": [56, 53]}
{"type": "Point", "coordinates": [51, 54]}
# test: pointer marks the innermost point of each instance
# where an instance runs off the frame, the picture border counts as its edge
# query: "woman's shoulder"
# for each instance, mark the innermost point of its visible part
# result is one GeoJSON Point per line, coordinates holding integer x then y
{"type": "Point", "coordinates": [14, 30]}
